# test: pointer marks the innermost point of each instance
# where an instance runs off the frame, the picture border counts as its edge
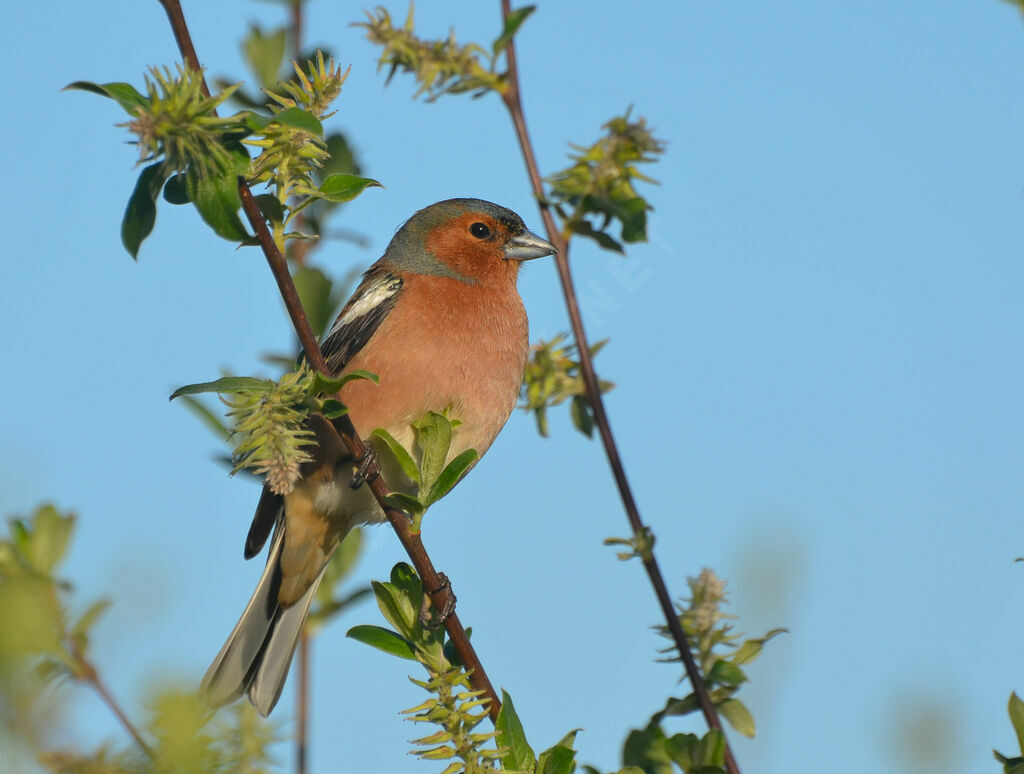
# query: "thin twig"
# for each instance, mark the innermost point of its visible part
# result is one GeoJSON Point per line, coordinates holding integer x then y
{"type": "Point", "coordinates": [92, 677]}
{"type": "Point", "coordinates": [513, 101]}
{"type": "Point", "coordinates": [439, 592]}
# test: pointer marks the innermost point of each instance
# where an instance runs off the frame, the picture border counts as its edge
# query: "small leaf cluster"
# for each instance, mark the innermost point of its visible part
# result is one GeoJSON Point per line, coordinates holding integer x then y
{"type": "Point", "coordinates": [454, 707]}
{"type": "Point", "coordinates": [1014, 764]}
{"type": "Point", "coordinates": [599, 187]}
{"type": "Point", "coordinates": [431, 476]}
{"type": "Point", "coordinates": [553, 375]}
{"type": "Point", "coordinates": [719, 655]}
{"type": "Point", "coordinates": [264, 53]}
{"type": "Point", "coordinates": [293, 148]}
{"type": "Point", "coordinates": [442, 66]}
{"type": "Point", "coordinates": [270, 419]}
{"type": "Point", "coordinates": [718, 651]}
{"type": "Point", "coordinates": [199, 157]}
{"type": "Point", "coordinates": [640, 546]}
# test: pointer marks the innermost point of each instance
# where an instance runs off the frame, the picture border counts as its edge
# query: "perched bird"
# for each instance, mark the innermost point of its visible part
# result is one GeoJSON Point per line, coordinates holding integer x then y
{"type": "Point", "coordinates": [439, 320]}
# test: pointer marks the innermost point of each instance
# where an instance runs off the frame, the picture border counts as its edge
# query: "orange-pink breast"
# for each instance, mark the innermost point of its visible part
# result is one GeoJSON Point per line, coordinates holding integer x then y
{"type": "Point", "coordinates": [445, 344]}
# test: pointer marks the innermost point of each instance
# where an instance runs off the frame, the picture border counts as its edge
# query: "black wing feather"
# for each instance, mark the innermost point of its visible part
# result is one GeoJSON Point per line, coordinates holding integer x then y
{"type": "Point", "coordinates": [373, 300]}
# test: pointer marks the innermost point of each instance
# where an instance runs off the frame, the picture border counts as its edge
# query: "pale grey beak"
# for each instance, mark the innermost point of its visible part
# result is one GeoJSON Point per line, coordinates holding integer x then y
{"type": "Point", "coordinates": [528, 246]}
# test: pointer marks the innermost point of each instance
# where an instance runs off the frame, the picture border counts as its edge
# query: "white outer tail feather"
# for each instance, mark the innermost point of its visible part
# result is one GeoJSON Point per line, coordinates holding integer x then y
{"type": "Point", "coordinates": [259, 650]}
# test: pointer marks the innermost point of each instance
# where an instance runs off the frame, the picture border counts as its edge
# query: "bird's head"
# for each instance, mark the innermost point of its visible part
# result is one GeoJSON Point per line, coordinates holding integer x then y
{"type": "Point", "coordinates": [467, 239]}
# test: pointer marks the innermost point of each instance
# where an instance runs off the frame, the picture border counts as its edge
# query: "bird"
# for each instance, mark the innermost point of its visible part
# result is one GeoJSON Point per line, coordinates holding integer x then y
{"type": "Point", "coordinates": [439, 320]}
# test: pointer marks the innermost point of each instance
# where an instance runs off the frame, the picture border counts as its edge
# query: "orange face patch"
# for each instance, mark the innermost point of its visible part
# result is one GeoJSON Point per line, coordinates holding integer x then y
{"type": "Point", "coordinates": [473, 244]}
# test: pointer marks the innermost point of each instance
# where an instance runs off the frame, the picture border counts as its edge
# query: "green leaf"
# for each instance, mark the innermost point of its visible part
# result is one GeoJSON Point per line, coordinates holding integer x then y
{"type": "Point", "coordinates": [405, 460]}
{"type": "Point", "coordinates": [314, 289]}
{"type": "Point", "coordinates": [681, 748]}
{"type": "Point", "coordinates": [404, 502]}
{"type": "Point", "coordinates": [582, 416]}
{"type": "Point", "coordinates": [738, 715]}
{"type": "Point", "coordinates": [751, 649]}
{"type": "Point", "coordinates": [328, 385]}
{"type": "Point", "coordinates": [343, 188]}
{"type": "Point", "coordinates": [47, 543]}
{"type": "Point", "coordinates": [451, 475]}
{"type": "Point", "coordinates": [176, 192]}
{"type": "Point", "coordinates": [434, 439]}
{"type": "Point", "coordinates": [584, 228]}
{"type": "Point", "coordinates": [265, 53]}
{"type": "Point", "coordinates": [397, 608]}
{"type": "Point", "coordinates": [710, 750]}
{"type": "Point", "coordinates": [682, 706]}
{"type": "Point", "coordinates": [303, 120]}
{"type": "Point", "coordinates": [512, 24]}
{"type": "Point", "coordinates": [271, 208]}
{"type": "Point", "coordinates": [556, 760]}
{"type": "Point", "coordinates": [405, 579]}
{"type": "Point", "coordinates": [124, 94]}
{"type": "Point", "coordinates": [88, 619]}
{"type": "Point", "coordinates": [512, 738]}
{"type": "Point", "coordinates": [140, 214]}
{"type": "Point", "coordinates": [646, 749]}
{"type": "Point", "coordinates": [726, 673]}
{"type": "Point", "coordinates": [1016, 709]}
{"type": "Point", "coordinates": [384, 640]}
{"type": "Point", "coordinates": [332, 409]}
{"type": "Point", "coordinates": [569, 739]}
{"type": "Point", "coordinates": [215, 196]}
{"type": "Point", "coordinates": [226, 385]}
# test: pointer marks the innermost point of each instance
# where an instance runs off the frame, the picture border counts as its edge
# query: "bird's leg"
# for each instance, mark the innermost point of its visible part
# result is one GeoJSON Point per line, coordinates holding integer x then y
{"type": "Point", "coordinates": [427, 620]}
{"type": "Point", "coordinates": [367, 466]}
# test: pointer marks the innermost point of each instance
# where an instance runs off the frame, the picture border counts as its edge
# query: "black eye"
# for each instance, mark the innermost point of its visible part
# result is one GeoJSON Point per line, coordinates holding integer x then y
{"type": "Point", "coordinates": [480, 230]}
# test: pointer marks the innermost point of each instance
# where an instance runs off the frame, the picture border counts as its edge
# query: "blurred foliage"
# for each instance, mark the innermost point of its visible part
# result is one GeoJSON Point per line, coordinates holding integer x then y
{"type": "Point", "coordinates": [187, 738]}
{"type": "Point", "coordinates": [1018, 3]}
{"type": "Point", "coordinates": [598, 187]}
{"type": "Point", "coordinates": [44, 646]}
{"type": "Point", "coordinates": [553, 376]}
{"type": "Point", "coordinates": [47, 636]}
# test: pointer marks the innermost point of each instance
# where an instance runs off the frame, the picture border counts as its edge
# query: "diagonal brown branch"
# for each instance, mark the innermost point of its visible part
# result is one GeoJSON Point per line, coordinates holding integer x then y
{"type": "Point", "coordinates": [438, 590]}
{"type": "Point", "coordinates": [513, 102]}
{"type": "Point", "coordinates": [92, 677]}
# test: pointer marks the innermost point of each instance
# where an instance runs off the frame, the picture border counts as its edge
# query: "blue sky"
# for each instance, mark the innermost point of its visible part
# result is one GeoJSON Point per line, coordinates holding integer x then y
{"type": "Point", "coordinates": [817, 359]}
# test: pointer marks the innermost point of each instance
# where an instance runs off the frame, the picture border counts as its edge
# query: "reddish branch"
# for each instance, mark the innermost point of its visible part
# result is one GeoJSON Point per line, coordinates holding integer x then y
{"type": "Point", "coordinates": [440, 593]}
{"type": "Point", "coordinates": [513, 101]}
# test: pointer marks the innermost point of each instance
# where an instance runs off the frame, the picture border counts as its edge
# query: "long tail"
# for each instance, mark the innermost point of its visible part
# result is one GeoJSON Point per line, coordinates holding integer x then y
{"type": "Point", "coordinates": [259, 650]}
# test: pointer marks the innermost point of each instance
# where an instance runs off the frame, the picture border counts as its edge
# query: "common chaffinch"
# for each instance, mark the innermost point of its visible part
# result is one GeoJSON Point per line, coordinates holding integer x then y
{"type": "Point", "coordinates": [439, 320]}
